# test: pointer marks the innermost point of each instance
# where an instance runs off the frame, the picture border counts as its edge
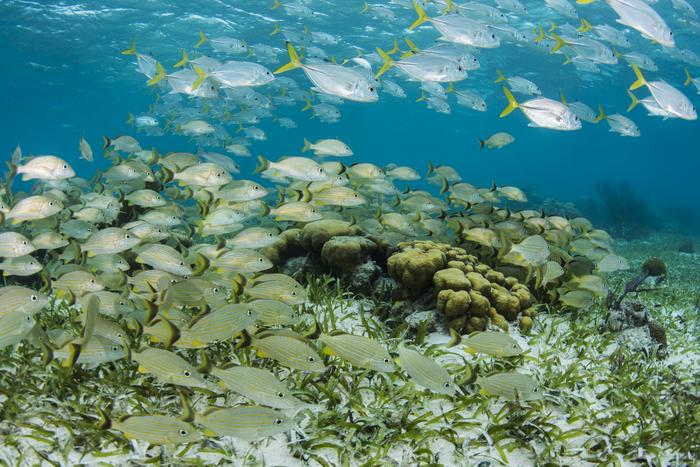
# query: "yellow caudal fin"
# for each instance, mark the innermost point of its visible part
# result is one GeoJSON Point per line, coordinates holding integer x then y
{"type": "Point", "coordinates": [388, 63]}
{"type": "Point", "coordinates": [130, 119]}
{"type": "Point", "coordinates": [640, 78]}
{"type": "Point", "coordinates": [584, 2]}
{"type": "Point", "coordinates": [450, 88]}
{"type": "Point", "coordinates": [158, 77]}
{"type": "Point", "coordinates": [560, 42]}
{"type": "Point", "coordinates": [307, 145]}
{"type": "Point", "coordinates": [512, 103]}
{"type": "Point", "coordinates": [450, 6]}
{"type": "Point", "coordinates": [276, 30]}
{"type": "Point", "coordinates": [202, 40]}
{"type": "Point", "coordinates": [422, 16]}
{"type": "Point", "coordinates": [601, 113]}
{"type": "Point", "coordinates": [183, 61]}
{"type": "Point", "coordinates": [563, 98]}
{"type": "Point", "coordinates": [365, 8]}
{"type": "Point", "coordinates": [553, 27]}
{"type": "Point", "coordinates": [501, 76]}
{"type": "Point", "coordinates": [422, 96]}
{"type": "Point", "coordinates": [308, 106]}
{"type": "Point", "coordinates": [395, 48]}
{"type": "Point", "coordinates": [294, 61]}
{"type": "Point", "coordinates": [411, 45]}
{"type": "Point", "coordinates": [688, 77]}
{"type": "Point", "coordinates": [585, 26]}
{"type": "Point", "coordinates": [540, 36]}
{"type": "Point", "coordinates": [201, 74]}
{"type": "Point", "coordinates": [617, 54]}
{"type": "Point", "coordinates": [276, 5]}
{"type": "Point", "coordinates": [634, 102]}
{"type": "Point", "coordinates": [131, 50]}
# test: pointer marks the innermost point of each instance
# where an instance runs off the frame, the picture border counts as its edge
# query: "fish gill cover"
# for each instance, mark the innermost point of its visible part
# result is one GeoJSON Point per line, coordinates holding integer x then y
{"type": "Point", "coordinates": [299, 225]}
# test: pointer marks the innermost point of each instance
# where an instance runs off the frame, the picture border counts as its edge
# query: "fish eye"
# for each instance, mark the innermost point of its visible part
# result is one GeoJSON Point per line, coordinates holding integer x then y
{"type": "Point", "coordinates": [447, 385]}
{"type": "Point", "coordinates": [535, 389]}
{"type": "Point", "coordinates": [33, 298]}
{"type": "Point", "coordinates": [249, 312]}
{"type": "Point", "coordinates": [260, 260]}
{"type": "Point", "coordinates": [127, 236]}
{"type": "Point", "coordinates": [278, 421]}
{"type": "Point", "coordinates": [183, 432]}
{"type": "Point", "coordinates": [216, 290]}
{"type": "Point", "coordinates": [187, 373]}
{"type": "Point", "coordinates": [65, 166]}
{"type": "Point", "coordinates": [515, 346]}
{"type": "Point", "coordinates": [312, 359]}
{"type": "Point", "coordinates": [386, 360]}
{"type": "Point", "coordinates": [92, 281]}
{"type": "Point", "coordinates": [371, 89]}
{"type": "Point", "coordinates": [24, 242]}
{"type": "Point", "coordinates": [181, 263]}
{"type": "Point", "coordinates": [280, 395]}
{"type": "Point", "coordinates": [29, 318]}
{"type": "Point", "coordinates": [122, 303]}
{"type": "Point", "coordinates": [293, 293]}
{"type": "Point", "coordinates": [459, 68]}
{"type": "Point", "coordinates": [114, 348]}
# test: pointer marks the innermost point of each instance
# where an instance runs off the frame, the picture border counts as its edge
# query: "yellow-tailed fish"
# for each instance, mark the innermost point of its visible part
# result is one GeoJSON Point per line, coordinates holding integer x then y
{"type": "Point", "coordinates": [168, 367]}
{"type": "Point", "coordinates": [359, 351]}
{"type": "Point", "coordinates": [510, 386]}
{"type": "Point", "coordinates": [223, 323]}
{"type": "Point", "coordinates": [425, 372]}
{"type": "Point", "coordinates": [34, 208]}
{"type": "Point", "coordinates": [258, 385]}
{"type": "Point", "coordinates": [272, 312]}
{"type": "Point", "coordinates": [22, 299]}
{"type": "Point", "coordinates": [109, 241]}
{"type": "Point", "coordinates": [246, 422]}
{"type": "Point", "coordinates": [494, 343]}
{"type": "Point", "coordinates": [288, 351]}
{"type": "Point", "coordinates": [13, 245]}
{"type": "Point", "coordinates": [154, 429]}
{"type": "Point", "coordinates": [165, 258]}
{"type": "Point", "coordinates": [20, 266]}
{"type": "Point", "coordinates": [14, 326]}
{"type": "Point", "coordinates": [242, 260]}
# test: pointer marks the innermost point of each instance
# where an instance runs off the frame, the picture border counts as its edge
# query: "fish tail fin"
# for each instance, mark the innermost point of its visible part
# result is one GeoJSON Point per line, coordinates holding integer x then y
{"type": "Point", "coordinates": [130, 119]}
{"type": "Point", "coordinates": [640, 78]}
{"type": "Point", "coordinates": [131, 50]}
{"type": "Point", "coordinates": [294, 61]}
{"type": "Point", "coordinates": [365, 8]}
{"type": "Point", "coordinates": [563, 98]}
{"type": "Point", "coordinates": [395, 48]}
{"type": "Point", "coordinates": [73, 355]}
{"type": "Point", "coordinates": [501, 76]}
{"type": "Point", "coordinates": [512, 103]}
{"type": "Point", "coordinates": [584, 2]}
{"type": "Point", "coordinates": [104, 423]}
{"type": "Point", "coordinates": [540, 36]}
{"type": "Point", "coordinates": [422, 16]}
{"type": "Point", "coordinates": [158, 77]}
{"type": "Point", "coordinates": [585, 26]}
{"type": "Point", "coordinates": [431, 169]}
{"type": "Point", "coordinates": [388, 63]}
{"type": "Point", "coordinates": [276, 5]}
{"type": "Point", "coordinates": [688, 77]}
{"type": "Point", "coordinates": [202, 39]}
{"type": "Point", "coordinates": [263, 164]}
{"type": "Point", "coordinates": [634, 102]}
{"type": "Point", "coordinates": [560, 42]}
{"type": "Point", "coordinates": [601, 113]}
{"type": "Point", "coordinates": [276, 30]}
{"type": "Point", "coordinates": [201, 74]}
{"type": "Point", "coordinates": [482, 143]}
{"type": "Point", "coordinates": [106, 142]}
{"type": "Point", "coordinates": [422, 96]}
{"type": "Point", "coordinates": [450, 88]}
{"type": "Point", "coordinates": [307, 145]}
{"type": "Point", "coordinates": [183, 61]}
{"type": "Point", "coordinates": [308, 105]}
{"type": "Point", "coordinates": [411, 45]}
{"type": "Point", "coordinates": [450, 6]}
{"type": "Point", "coordinates": [553, 27]}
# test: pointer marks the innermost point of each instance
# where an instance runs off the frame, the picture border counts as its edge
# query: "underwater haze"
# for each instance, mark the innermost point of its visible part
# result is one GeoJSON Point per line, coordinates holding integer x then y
{"type": "Point", "coordinates": [335, 232]}
{"type": "Point", "coordinates": [64, 77]}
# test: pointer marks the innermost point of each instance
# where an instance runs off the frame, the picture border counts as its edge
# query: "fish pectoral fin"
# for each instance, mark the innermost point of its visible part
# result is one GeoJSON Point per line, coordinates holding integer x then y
{"type": "Point", "coordinates": [210, 433]}
{"type": "Point", "coordinates": [329, 351]}
{"type": "Point", "coordinates": [142, 369]}
{"type": "Point", "coordinates": [484, 392]}
{"type": "Point", "coordinates": [261, 354]}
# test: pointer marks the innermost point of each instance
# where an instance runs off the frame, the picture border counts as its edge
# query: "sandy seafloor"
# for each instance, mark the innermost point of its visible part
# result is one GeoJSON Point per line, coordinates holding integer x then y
{"type": "Point", "coordinates": [584, 359]}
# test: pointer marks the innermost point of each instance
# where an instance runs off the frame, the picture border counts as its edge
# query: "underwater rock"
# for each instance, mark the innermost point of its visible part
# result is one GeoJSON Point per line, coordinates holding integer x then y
{"type": "Point", "coordinates": [315, 234]}
{"type": "Point", "coordinates": [343, 254]}
{"type": "Point", "coordinates": [451, 278]}
{"type": "Point", "coordinates": [637, 331]}
{"type": "Point", "coordinates": [415, 266]}
{"type": "Point", "coordinates": [470, 294]}
{"type": "Point", "coordinates": [288, 246]}
{"type": "Point", "coordinates": [687, 247]}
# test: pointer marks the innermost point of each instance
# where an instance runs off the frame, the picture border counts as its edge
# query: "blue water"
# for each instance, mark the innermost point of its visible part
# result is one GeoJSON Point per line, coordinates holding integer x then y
{"type": "Point", "coordinates": [63, 76]}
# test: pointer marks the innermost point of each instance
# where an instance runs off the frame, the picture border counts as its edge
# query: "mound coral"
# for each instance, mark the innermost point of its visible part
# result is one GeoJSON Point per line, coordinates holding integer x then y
{"type": "Point", "coordinates": [469, 293]}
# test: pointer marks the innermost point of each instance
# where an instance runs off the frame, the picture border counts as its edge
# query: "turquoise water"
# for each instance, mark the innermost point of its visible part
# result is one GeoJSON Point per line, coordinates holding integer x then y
{"type": "Point", "coordinates": [63, 76]}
